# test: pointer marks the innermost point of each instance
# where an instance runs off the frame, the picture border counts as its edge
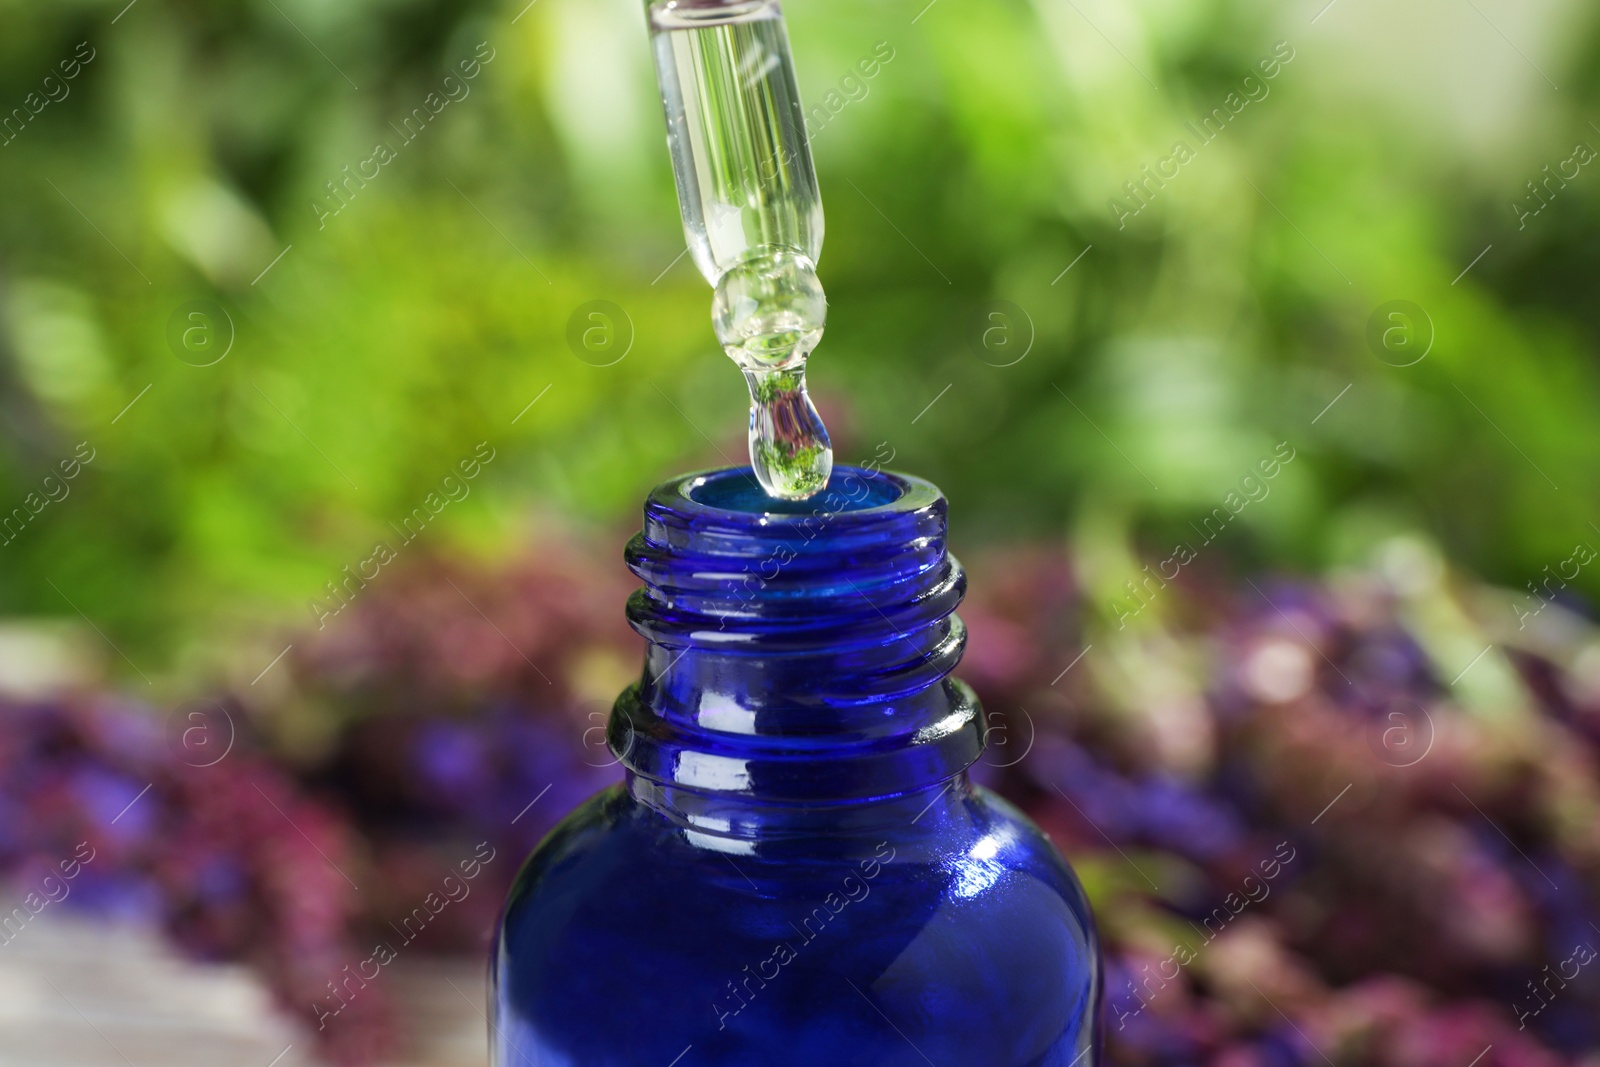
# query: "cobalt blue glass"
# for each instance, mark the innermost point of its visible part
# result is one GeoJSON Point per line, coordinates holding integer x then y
{"type": "Point", "coordinates": [797, 870]}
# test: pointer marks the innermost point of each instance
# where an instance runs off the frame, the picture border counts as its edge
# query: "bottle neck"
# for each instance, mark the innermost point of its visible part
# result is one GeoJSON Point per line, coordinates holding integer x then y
{"type": "Point", "coordinates": [798, 652]}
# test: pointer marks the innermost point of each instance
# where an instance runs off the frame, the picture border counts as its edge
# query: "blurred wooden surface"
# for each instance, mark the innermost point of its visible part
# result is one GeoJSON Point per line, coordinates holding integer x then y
{"type": "Point", "coordinates": [80, 993]}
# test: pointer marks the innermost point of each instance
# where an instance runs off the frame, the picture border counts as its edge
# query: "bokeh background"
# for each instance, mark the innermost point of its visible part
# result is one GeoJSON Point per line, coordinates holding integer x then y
{"type": "Point", "coordinates": [1273, 461]}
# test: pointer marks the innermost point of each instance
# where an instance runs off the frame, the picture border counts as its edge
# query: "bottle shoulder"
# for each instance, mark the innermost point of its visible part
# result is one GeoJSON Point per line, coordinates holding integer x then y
{"type": "Point", "coordinates": [616, 868]}
{"type": "Point", "coordinates": [963, 838]}
{"type": "Point", "coordinates": [961, 925]}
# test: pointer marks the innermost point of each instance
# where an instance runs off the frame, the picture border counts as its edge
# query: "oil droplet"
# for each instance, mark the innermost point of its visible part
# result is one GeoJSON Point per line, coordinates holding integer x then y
{"type": "Point", "coordinates": [769, 312]}
{"type": "Point", "coordinates": [789, 446]}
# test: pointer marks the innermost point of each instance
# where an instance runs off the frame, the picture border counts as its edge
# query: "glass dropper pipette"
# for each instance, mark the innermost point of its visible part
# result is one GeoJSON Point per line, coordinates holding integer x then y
{"type": "Point", "coordinates": [752, 215]}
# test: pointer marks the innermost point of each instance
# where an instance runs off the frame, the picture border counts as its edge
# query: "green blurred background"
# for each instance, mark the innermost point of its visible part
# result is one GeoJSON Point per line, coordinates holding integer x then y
{"type": "Point", "coordinates": [1117, 402]}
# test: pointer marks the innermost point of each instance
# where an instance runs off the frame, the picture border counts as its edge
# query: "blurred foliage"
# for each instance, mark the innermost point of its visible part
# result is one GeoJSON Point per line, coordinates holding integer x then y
{"type": "Point", "coordinates": [392, 338]}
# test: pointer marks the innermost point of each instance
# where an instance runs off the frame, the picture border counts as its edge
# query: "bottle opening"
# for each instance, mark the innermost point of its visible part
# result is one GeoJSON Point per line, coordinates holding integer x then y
{"type": "Point", "coordinates": [850, 489]}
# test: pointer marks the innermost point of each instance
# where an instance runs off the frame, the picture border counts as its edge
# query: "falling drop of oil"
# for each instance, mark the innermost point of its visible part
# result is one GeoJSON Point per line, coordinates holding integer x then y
{"type": "Point", "coordinates": [789, 446]}
{"type": "Point", "coordinates": [769, 313]}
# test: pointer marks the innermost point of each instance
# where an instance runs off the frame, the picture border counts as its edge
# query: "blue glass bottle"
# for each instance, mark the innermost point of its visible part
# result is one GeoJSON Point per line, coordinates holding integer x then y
{"type": "Point", "coordinates": [797, 870]}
